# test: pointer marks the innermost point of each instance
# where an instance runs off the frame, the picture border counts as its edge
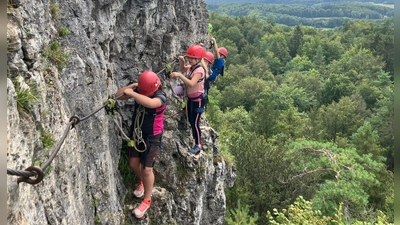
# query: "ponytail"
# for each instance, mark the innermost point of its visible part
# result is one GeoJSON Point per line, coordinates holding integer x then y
{"type": "Point", "coordinates": [203, 64]}
{"type": "Point", "coordinates": [205, 67]}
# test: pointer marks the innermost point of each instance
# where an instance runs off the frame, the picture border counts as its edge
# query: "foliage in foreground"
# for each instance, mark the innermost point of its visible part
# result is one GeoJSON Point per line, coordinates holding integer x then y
{"type": "Point", "coordinates": [302, 212]}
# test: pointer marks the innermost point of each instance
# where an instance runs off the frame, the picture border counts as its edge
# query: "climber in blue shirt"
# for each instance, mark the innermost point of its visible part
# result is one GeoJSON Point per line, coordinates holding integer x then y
{"type": "Point", "coordinates": [219, 62]}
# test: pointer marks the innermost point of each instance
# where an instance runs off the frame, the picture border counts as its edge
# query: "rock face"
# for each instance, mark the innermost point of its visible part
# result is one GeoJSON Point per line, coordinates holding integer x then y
{"type": "Point", "coordinates": [66, 58]}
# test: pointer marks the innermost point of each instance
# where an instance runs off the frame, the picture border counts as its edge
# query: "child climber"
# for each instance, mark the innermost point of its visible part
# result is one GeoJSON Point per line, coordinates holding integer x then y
{"type": "Point", "coordinates": [196, 74]}
{"type": "Point", "coordinates": [219, 63]}
{"type": "Point", "coordinates": [146, 133]}
{"type": "Point", "coordinates": [209, 59]}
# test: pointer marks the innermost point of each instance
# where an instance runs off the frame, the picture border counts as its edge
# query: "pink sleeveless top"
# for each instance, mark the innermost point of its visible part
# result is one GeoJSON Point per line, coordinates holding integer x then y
{"type": "Point", "coordinates": [198, 89]}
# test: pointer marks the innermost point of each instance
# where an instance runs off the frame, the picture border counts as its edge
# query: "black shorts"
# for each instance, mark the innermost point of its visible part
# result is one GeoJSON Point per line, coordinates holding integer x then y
{"type": "Point", "coordinates": [149, 156]}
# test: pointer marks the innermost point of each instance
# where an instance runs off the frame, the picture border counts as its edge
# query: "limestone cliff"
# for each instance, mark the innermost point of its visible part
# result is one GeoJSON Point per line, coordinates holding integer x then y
{"type": "Point", "coordinates": [65, 59]}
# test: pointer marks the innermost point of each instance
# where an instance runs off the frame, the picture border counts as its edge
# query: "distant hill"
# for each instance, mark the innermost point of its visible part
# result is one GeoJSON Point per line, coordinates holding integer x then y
{"type": "Point", "coordinates": [296, 12]}
{"type": "Point", "coordinates": [295, 2]}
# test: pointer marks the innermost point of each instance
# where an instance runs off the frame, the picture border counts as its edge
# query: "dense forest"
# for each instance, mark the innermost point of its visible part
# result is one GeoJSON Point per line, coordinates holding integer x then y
{"type": "Point", "coordinates": [321, 15]}
{"type": "Point", "coordinates": [306, 116]}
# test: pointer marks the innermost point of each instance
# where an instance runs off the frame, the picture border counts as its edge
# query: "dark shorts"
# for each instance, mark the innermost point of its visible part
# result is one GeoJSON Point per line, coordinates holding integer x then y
{"type": "Point", "coordinates": [149, 156]}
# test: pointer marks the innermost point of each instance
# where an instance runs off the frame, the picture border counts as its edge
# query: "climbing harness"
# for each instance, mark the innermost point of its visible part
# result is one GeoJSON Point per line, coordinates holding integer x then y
{"type": "Point", "coordinates": [193, 69]}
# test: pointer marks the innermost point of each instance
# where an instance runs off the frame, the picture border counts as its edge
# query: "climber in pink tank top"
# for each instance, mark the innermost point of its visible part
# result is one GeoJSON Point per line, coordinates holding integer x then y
{"type": "Point", "coordinates": [198, 88]}
{"type": "Point", "coordinates": [196, 74]}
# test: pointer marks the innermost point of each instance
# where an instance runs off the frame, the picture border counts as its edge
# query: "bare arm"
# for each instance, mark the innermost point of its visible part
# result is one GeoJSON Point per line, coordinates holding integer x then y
{"type": "Point", "coordinates": [120, 95]}
{"type": "Point", "coordinates": [143, 99]}
{"type": "Point", "coordinates": [189, 82]}
{"type": "Point", "coordinates": [216, 48]}
{"type": "Point", "coordinates": [127, 93]}
{"type": "Point", "coordinates": [182, 66]}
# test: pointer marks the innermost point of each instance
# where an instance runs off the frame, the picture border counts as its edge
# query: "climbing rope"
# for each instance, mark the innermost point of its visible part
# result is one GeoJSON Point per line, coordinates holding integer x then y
{"type": "Point", "coordinates": [137, 138]}
{"type": "Point", "coordinates": [175, 114]}
{"type": "Point", "coordinates": [109, 104]}
{"type": "Point", "coordinates": [120, 129]}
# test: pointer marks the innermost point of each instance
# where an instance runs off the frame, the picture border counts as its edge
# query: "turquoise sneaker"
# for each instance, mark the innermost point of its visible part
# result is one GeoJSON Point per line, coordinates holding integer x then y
{"type": "Point", "coordinates": [195, 150]}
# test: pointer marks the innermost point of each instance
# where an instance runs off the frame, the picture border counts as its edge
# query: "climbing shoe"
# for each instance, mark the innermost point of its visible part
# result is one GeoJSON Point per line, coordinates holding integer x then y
{"type": "Point", "coordinates": [195, 150]}
{"type": "Point", "coordinates": [142, 208]}
{"type": "Point", "coordinates": [139, 191]}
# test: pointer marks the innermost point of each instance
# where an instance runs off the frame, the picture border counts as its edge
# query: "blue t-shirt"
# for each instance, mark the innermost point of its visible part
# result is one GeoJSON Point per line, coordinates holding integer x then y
{"type": "Point", "coordinates": [217, 68]}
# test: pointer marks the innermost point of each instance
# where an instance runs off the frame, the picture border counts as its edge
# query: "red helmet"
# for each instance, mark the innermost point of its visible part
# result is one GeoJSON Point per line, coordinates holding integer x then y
{"type": "Point", "coordinates": [148, 83]}
{"type": "Point", "coordinates": [195, 51]}
{"type": "Point", "coordinates": [209, 57]}
{"type": "Point", "coordinates": [223, 51]}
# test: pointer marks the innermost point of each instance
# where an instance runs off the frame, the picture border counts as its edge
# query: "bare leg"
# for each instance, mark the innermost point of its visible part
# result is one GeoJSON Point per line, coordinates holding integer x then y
{"type": "Point", "coordinates": [134, 163]}
{"type": "Point", "coordinates": [148, 181]}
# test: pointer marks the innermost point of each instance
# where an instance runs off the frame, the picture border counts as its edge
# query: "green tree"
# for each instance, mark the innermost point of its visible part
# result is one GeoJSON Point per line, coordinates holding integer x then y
{"type": "Point", "coordinates": [357, 64]}
{"type": "Point", "coordinates": [254, 32]}
{"type": "Point", "coordinates": [383, 44]}
{"type": "Point", "coordinates": [232, 76]}
{"type": "Point", "coordinates": [345, 177]}
{"type": "Point", "coordinates": [280, 51]}
{"type": "Point", "coordinates": [369, 93]}
{"type": "Point", "coordinates": [264, 114]}
{"type": "Point", "coordinates": [275, 44]}
{"type": "Point", "coordinates": [253, 186]}
{"type": "Point", "coordinates": [382, 120]}
{"type": "Point", "coordinates": [299, 63]}
{"type": "Point", "coordinates": [340, 119]}
{"type": "Point", "coordinates": [300, 212]}
{"type": "Point", "coordinates": [291, 124]}
{"type": "Point", "coordinates": [259, 69]}
{"type": "Point", "coordinates": [274, 62]}
{"type": "Point", "coordinates": [336, 87]}
{"type": "Point", "coordinates": [244, 94]}
{"type": "Point", "coordinates": [235, 120]}
{"type": "Point", "coordinates": [319, 59]}
{"type": "Point", "coordinates": [310, 84]}
{"type": "Point", "coordinates": [248, 53]}
{"type": "Point", "coordinates": [292, 95]}
{"type": "Point", "coordinates": [213, 112]}
{"type": "Point", "coordinates": [271, 20]}
{"type": "Point", "coordinates": [220, 23]}
{"type": "Point", "coordinates": [233, 33]}
{"type": "Point", "coordinates": [378, 38]}
{"type": "Point", "coordinates": [366, 141]}
{"type": "Point", "coordinates": [329, 42]}
{"type": "Point", "coordinates": [240, 216]}
{"type": "Point", "coordinates": [295, 41]}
